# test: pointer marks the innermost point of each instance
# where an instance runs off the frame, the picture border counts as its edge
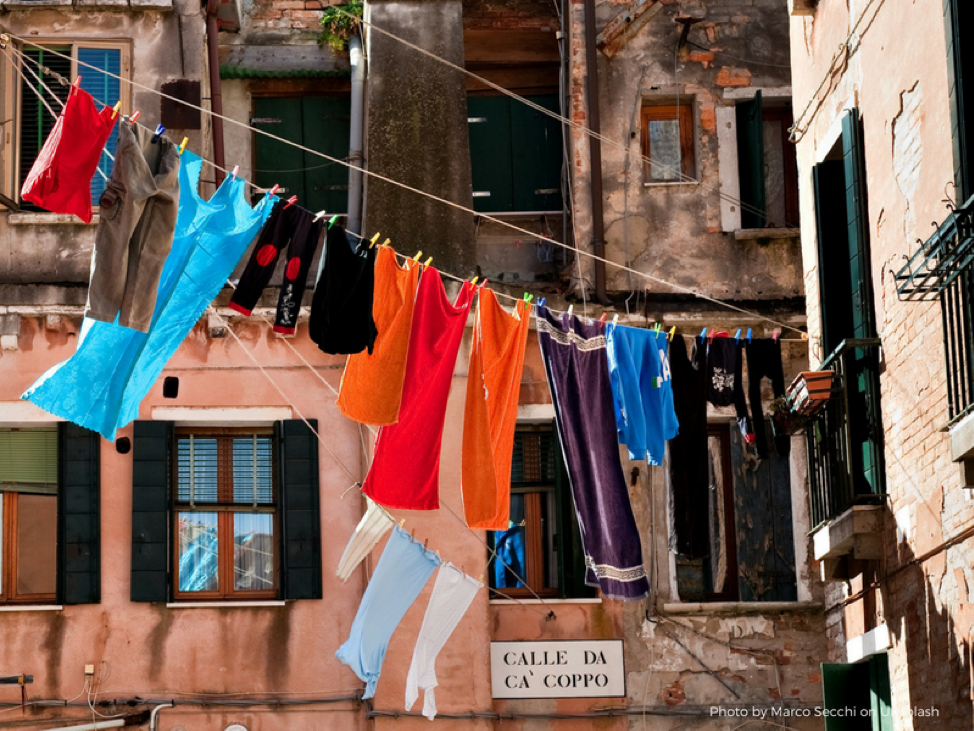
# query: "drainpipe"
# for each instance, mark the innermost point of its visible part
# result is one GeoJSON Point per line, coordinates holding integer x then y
{"type": "Point", "coordinates": [355, 134]}
{"type": "Point", "coordinates": [216, 98]}
{"type": "Point", "coordinates": [92, 726]}
{"type": "Point", "coordinates": [595, 150]}
{"type": "Point", "coordinates": [153, 717]}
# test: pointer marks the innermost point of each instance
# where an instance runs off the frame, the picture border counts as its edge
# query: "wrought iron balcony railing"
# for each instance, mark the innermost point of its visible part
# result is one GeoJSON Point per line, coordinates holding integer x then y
{"type": "Point", "coordinates": [941, 259]}
{"type": "Point", "coordinates": [845, 440]}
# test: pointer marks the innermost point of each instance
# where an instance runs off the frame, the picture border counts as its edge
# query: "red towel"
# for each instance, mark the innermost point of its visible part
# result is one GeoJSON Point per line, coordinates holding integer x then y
{"type": "Point", "coordinates": [60, 179]}
{"type": "Point", "coordinates": [406, 462]}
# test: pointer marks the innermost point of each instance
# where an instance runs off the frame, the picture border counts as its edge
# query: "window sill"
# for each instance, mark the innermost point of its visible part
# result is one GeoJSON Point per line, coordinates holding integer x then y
{"type": "Point", "coordinates": [508, 602]}
{"type": "Point", "coordinates": [519, 214]}
{"type": "Point", "coordinates": [673, 184]}
{"type": "Point", "coordinates": [31, 607]}
{"type": "Point", "coordinates": [47, 219]}
{"type": "Point", "coordinates": [740, 607]}
{"type": "Point", "coordinates": [749, 234]}
{"type": "Point", "coordinates": [224, 605]}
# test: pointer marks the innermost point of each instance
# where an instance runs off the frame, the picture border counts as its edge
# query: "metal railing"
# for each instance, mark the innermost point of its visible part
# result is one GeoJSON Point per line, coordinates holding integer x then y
{"type": "Point", "coordinates": [845, 452]}
{"type": "Point", "coordinates": [955, 307]}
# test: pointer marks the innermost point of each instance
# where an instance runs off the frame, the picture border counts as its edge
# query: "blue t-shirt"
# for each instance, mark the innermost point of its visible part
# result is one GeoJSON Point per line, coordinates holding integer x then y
{"type": "Point", "coordinates": [642, 390]}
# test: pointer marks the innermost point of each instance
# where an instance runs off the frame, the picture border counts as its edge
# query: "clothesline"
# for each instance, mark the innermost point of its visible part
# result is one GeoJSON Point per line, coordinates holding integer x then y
{"type": "Point", "coordinates": [418, 191]}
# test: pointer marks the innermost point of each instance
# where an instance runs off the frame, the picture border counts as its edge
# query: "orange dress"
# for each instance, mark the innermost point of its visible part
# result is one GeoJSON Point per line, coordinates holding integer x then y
{"type": "Point", "coordinates": [371, 388]}
{"type": "Point", "coordinates": [493, 387]}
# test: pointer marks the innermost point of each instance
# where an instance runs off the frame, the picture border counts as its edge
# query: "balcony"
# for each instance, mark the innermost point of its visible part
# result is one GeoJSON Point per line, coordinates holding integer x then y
{"type": "Point", "coordinates": [846, 474]}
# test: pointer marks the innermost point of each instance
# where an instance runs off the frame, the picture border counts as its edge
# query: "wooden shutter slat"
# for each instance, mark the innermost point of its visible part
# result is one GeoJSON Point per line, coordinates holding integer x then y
{"type": "Point", "coordinates": [300, 511]}
{"type": "Point", "coordinates": [79, 516]}
{"type": "Point", "coordinates": [750, 161]}
{"type": "Point", "coordinates": [152, 444]}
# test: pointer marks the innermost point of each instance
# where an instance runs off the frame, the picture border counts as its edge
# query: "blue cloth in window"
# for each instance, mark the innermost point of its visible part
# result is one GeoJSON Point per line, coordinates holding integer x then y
{"type": "Point", "coordinates": [101, 386]}
{"type": "Point", "coordinates": [509, 546]}
{"type": "Point", "coordinates": [402, 572]}
{"type": "Point", "coordinates": [642, 390]}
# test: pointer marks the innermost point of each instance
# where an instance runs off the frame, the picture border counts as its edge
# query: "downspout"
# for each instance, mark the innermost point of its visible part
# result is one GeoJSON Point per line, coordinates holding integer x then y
{"type": "Point", "coordinates": [154, 716]}
{"type": "Point", "coordinates": [216, 98]}
{"type": "Point", "coordinates": [595, 151]}
{"type": "Point", "coordinates": [355, 134]}
{"type": "Point", "coordinates": [96, 726]}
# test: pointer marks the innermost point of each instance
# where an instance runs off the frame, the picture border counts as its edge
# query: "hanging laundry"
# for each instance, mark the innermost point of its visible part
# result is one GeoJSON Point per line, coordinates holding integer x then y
{"type": "Point", "coordinates": [371, 388]}
{"type": "Point", "coordinates": [726, 384]}
{"type": "Point", "coordinates": [578, 377]}
{"type": "Point", "coordinates": [639, 371]}
{"type": "Point", "coordinates": [493, 388]}
{"type": "Point", "coordinates": [341, 310]}
{"type": "Point", "coordinates": [101, 386]}
{"type": "Point", "coordinates": [406, 463]}
{"type": "Point", "coordinates": [689, 475]}
{"type": "Point", "coordinates": [288, 226]}
{"type": "Point", "coordinates": [402, 572]}
{"type": "Point", "coordinates": [453, 591]}
{"type": "Point", "coordinates": [764, 360]}
{"type": "Point", "coordinates": [368, 533]}
{"type": "Point", "coordinates": [136, 222]}
{"type": "Point", "coordinates": [60, 179]}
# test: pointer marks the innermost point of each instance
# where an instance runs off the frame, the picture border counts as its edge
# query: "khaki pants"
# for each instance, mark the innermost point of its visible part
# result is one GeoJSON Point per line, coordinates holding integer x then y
{"type": "Point", "coordinates": [137, 219]}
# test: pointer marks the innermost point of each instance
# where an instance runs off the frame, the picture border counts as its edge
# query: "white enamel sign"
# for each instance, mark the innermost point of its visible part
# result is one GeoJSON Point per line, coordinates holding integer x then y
{"type": "Point", "coordinates": [557, 669]}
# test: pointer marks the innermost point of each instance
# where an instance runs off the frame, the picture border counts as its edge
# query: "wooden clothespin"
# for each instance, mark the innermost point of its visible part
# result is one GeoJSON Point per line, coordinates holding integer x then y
{"type": "Point", "coordinates": [481, 579]}
{"type": "Point", "coordinates": [426, 544]}
{"type": "Point", "coordinates": [291, 201]}
{"type": "Point", "coordinates": [418, 254]}
{"type": "Point", "coordinates": [134, 116]}
{"type": "Point", "coordinates": [737, 337]}
{"type": "Point", "coordinates": [118, 105]}
{"type": "Point", "coordinates": [428, 262]}
{"type": "Point", "coordinates": [274, 189]}
{"type": "Point", "coordinates": [402, 522]}
{"type": "Point", "coordinates": [160, 131]}
{"type": "Point", "coordinates": [672, 332]}
{"type": "Point", "coordinates": [374, 238]}
{"type": "Point", "coordinates": [182, 145]}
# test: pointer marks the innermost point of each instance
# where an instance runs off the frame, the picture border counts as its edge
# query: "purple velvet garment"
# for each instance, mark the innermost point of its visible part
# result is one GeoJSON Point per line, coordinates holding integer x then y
{"type": "Point", "coordinates": [578, 376]}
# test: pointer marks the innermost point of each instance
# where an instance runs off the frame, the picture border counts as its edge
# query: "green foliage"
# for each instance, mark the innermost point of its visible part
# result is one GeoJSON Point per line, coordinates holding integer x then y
{"type": "Point", "coordinates": [336, 27]}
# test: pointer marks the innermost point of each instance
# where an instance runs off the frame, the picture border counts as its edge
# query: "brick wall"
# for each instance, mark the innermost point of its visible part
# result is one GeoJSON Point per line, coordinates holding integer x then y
{"type": "Point", "coordinates": [509, 15]}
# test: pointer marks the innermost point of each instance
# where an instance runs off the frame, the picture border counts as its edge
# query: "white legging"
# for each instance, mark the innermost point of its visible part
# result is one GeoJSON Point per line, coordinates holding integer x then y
{"type": "Point", "coordinates": [452, 594]}
{"type": "Point", "coordinates": [370, 529]}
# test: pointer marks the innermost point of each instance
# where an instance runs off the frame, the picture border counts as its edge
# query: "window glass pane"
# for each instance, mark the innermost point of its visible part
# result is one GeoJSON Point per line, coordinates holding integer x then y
{"type": "Point", "coordinates": [199, 484]}
{"type": "Point", "coordinates": [198, 552]}
{"type": "Point", "coordinates": [28, 460]}
{"type": "Point", "coordinates": [252, 470]}
{"type": "Point", "coordinates": [774, 170]}
{"type": "Point", "coordinates": [664, 149]}
{"type": "Point", "coordinates": [509, 545]}
{"type": "Point", "coordinates": [36, 544]}
{"type": "Point", "coordinates": [105, 90]}
{"type": "Point", "coordinates": [253, 551]}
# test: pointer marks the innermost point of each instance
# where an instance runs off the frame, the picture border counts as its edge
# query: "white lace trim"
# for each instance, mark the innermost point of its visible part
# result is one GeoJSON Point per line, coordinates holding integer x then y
{"type": "Point", "coordinates": [572, 338]}
{"type": "Point", "coordinates": [604, 571]}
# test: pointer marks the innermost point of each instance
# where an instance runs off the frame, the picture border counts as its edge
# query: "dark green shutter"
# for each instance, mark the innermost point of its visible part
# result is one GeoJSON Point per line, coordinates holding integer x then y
{"type": "Point", "coordinates": [857, 220]}
{"type": "Point", "coordinates": [846, 687]}
{"type": "Point", "coordinates": [750, 162]}
{"type": "Point", "coordinates": [78, 516]}
{"type": "Point", "coordinates": [960, 67]}
{"type": "Point", "coordinates": [880, 697]}
{"type": "Point", "coordinates": [152, 446]}
{"type": "Point", "coordinates": [276, 162]}
{"type": "Point", "coordinates": [536, 156]}
{"type": "Point", "coordinates": [300, 511]}
{"type": "Point", "coordinates": [489, 122]}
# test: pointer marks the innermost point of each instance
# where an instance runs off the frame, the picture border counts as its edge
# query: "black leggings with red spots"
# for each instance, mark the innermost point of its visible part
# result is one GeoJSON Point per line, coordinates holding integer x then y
{"type": "Point", "coordinates": [292, 227]}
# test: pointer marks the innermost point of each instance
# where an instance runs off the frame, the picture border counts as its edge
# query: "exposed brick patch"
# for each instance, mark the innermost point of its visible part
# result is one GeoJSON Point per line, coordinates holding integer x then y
{"type": "Point", "coordinates": [732, 76]}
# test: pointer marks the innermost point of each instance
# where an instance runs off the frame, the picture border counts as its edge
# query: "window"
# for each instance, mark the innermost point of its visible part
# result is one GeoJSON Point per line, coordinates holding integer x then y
{"type": "Point", "coordinates": [959, 20]}
{"type": "Point", "coordinates": [319, 122]}
{"type": "Point", "coordinates": [747, 518]}
{"type": "Point", "coordinates": [857, 697]}
{"type": "Point", "coordinates": [515, 154]}
{"type": "Point", "coordinates": [668, 142]}
{"type": "Point", "coordinates": [542, 548]}
{"type": "Point", "coordinates": [224, 515]}
{"type": "Point", "coordinates": [49, 515]}
{"type": "Point", "coordinates": [767, 165]}
{"type": "Point", "coordinates": [33, 120]}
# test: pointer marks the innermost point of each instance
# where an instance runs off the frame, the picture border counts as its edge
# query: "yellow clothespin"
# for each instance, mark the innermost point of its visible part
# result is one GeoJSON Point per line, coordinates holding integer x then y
{"type": "Point", "coordinates": [418, 254]}
{"type": "Point", "coordinates": [481, 579]}
{"type": "Point", "coordinates": [473, 282]}
{"type": "Point", "coordinates": [386, 242]}
{"type": "Point", "coordinates": [118, 105]}
{"type": "Point", "coordinates": [374, 239]}
{"type": "Point", "coordinates": [672, 332]}
{"type": "Point", "coordinates": [427, 262]}
{"type": "Point", "coordinates": [402, 522]}
{"type": "Point", "coordinates": [182, 145]}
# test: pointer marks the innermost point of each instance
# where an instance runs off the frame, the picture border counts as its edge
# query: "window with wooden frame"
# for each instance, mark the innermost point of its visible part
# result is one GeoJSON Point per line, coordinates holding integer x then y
{"type": "Point", "coordinates": [767, 165]}
{"type": "Point", "coordinates": [29, 507]}
{"type": "Point", "coordinates": [541, 550]}
{"type": "Point", "coordinates": [225, 515]}
{"type": "Point", "coordinates": [668, 142]}
{"type": "Point", "coordinates": [28, 122]}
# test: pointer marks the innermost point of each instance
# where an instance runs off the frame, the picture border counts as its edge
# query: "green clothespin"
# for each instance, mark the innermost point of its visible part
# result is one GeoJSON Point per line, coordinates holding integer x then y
{"type": "Point", "coordinates": [331, 221]}
{"type": "Point", "coordinates": [528, 297]}
{"type": "Point", "coordinates": [657, 328]}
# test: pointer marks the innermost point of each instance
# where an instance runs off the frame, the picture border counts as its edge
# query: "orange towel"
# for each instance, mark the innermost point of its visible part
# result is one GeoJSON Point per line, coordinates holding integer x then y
{"type": "Point", "coordinates": [371, 388]}
{"type": "Point", "coordinates": [493, 387]}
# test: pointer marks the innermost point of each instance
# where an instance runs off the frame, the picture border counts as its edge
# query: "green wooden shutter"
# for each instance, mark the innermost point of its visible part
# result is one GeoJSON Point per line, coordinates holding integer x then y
{"type": "Point", "coordinates": [275, 162]}
{"type": "Point", "coordinates": [536, 156]}
{"type": "Point", "coordinates": [152, 446]}
{"type": "Point", "coordinates": [489, 121]}
{"type": "Point", "coordinates": [750, 162]}
{"type": "Point", "coordinates": [326, 122]}
{"type": "Point", "coordinates": [846, 687]}
{"type": "Point", "coordinates": [8, 140]}
{"type": "Point", "coordinates": [857, 220]}
{"type": "Point", "coordinates": [300, 511]}
{"type": "Point", "coordinates": [958, 18]}
{"type": "Point", "coordinates": [78, 516]}
{"type": "Point", "coordinates": [880, 697]}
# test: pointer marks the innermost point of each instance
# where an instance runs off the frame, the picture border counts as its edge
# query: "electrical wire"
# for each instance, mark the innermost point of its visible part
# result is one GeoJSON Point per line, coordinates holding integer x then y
{"type": "Point", "coordinates": [431, 196]}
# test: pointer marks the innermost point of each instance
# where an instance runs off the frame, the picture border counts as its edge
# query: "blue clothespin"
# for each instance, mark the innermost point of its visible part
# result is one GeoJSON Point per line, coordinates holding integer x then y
{"type": "Point", "coordinates": [749, 335]}
{"type": "Point", "coordinates": [737, 337]}
{"type": "Point", "coordinates": [542, 301]}
{"type": "Point", "coordinates": [160, 131]}
{"type": "Point", "coordinates": [703, 333]}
